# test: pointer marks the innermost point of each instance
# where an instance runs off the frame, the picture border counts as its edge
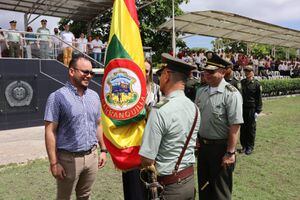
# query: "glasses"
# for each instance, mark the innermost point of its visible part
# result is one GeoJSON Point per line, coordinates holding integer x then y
{"type": "Point", "coordinates": [86, 72]}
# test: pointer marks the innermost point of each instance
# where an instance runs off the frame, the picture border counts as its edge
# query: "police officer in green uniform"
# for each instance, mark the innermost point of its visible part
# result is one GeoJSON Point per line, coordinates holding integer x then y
{"type": "Point", "coordinates": [252, 106]}
{"type": "Point", "coordinates": [167, 129]}
{"type": "Point", "coordinates": [220, 105]}
{"type": "Point", "coordinates": [230, 78]}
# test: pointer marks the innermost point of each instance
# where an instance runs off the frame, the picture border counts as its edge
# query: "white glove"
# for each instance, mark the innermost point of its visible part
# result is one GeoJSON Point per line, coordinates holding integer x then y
{"type": "Point", "coordinates": [255, 116]}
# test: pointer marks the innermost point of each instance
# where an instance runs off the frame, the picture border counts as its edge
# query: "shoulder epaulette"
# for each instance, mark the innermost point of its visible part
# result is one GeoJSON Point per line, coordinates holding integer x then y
{"type": "Point", "coordinates": [161, 103]}
{"type": "Point", "coordinates": [231, 88]}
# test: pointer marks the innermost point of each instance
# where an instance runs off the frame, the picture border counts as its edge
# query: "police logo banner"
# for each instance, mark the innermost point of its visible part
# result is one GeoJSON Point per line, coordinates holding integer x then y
{"type": "Point", "coordinates": [123, 91]}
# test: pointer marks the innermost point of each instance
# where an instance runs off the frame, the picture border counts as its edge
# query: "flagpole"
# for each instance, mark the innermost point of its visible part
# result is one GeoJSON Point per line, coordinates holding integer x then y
{"type": "Point", "coordinates": [174, 35]}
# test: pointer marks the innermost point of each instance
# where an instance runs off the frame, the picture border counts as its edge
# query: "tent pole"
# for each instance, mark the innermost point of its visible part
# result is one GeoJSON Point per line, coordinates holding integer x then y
{"type": "Point", "coordinates": [174, 35]}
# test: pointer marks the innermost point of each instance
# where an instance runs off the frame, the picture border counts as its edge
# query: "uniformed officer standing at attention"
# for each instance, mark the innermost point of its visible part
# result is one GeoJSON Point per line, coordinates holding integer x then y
{"type": "Point", "coordinates": [252, 106]}
{"type": "Point", "coordinates": [230, 78]}
{"type": "Point", "coordinates": [220, 105]}
{"type": "Point", "coordinates": [171, 123]}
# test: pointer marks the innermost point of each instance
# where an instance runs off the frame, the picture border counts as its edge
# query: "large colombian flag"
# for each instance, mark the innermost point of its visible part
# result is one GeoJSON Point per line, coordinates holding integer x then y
{"type": "Point", "coordinates": [123, 92]}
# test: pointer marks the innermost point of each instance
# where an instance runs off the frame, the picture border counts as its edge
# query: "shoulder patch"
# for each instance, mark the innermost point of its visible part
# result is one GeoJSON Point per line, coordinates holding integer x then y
{"type": "Point", "coordinates": [161, 103]}
{"type": "Point", "coordinates": [231, 88]}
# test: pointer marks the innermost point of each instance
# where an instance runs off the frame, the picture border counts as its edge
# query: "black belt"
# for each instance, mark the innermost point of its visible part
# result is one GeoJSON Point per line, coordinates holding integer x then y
{"type": "Point", "coordinates": [211, 141]}
{"type": "Point", "coordinates": [79, 153]}
{"type": "Point", "coordinates": [13, 42]}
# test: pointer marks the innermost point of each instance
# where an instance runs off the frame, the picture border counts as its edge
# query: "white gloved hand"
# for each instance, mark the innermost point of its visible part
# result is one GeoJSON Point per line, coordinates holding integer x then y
{"type": "Point", "coordinates": [255, 116]}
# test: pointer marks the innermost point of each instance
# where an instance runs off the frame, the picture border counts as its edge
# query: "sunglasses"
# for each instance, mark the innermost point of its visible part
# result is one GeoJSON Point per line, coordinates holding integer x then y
{"type": "Point", "coordinates": [85, 72]}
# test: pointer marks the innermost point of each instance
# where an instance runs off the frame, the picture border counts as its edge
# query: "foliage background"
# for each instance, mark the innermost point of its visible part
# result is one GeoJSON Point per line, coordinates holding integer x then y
{"type": "Point", "coordinates": [150, 18]}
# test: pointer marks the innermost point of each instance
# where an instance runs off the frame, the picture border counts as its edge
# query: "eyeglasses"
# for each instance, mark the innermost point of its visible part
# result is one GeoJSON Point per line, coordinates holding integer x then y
{"type": "Point", "coordinates": [85, 72]}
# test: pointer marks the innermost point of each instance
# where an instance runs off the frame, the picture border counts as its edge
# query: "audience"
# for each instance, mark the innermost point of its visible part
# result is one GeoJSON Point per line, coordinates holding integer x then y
{"type": "Point", "coordinates": [39, 46]}
{"type": "Point", "coordinates": [264, 67]}
{"type": "Point", "coordinates": [30, 43]}
{"type": "Point", "coordinates": [68, 37]}
{"type": "Point", "coordinates": [97, 48]}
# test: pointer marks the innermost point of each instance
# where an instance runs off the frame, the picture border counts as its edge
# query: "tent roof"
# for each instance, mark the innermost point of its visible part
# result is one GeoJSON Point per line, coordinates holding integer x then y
{"type": "Point", "coordinates": [235, 27]}
{"type": "Point", "coordinates": [72, 9]}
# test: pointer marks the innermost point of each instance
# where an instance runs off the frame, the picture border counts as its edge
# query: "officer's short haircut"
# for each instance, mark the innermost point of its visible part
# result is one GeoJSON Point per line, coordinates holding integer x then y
{"type": "Point", "coordinates": [177, 76]}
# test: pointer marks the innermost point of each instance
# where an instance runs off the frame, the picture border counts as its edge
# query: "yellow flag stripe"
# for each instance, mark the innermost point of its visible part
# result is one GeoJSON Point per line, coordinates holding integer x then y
{"type": "Point", "coordinates": [123, 136]}
{"type": "Point", "coordinates": [128, 33]}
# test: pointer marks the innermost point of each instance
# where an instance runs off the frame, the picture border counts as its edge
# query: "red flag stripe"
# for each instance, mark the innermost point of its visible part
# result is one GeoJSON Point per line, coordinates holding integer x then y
{"type": "Point", "coordinates": [130, 4]}
{"type": "Point", "coordinates": [124, 159]}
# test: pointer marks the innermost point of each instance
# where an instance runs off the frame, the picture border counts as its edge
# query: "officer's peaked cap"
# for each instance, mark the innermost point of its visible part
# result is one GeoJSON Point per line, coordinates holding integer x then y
{"type": "Point", "coordinates": [215, 62]}
{"type": "Point", "coordinates": [13, 22]}
{"type": "Point", "coordinates": [176, 65]}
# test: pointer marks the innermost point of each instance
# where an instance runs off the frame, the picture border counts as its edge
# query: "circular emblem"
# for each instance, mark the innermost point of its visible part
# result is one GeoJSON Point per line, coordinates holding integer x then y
{"type": "Point", "coordinates": [123, 91]}
{"type": "Point", "coordinates": [18, 93]}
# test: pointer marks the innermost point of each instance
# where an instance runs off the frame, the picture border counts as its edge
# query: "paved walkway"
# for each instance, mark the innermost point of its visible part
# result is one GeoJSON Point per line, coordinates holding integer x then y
{"type": "Point", "coordinates": [21, 145]}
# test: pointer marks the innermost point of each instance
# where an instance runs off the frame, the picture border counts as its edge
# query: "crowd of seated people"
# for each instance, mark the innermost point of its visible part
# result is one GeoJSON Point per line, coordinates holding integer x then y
{"type": "Point", "coordinates": [264, 67]}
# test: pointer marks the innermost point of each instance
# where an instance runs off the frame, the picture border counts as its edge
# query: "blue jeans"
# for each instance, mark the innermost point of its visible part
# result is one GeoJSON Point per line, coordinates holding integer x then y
{"type": "Point", "coordinates": [97, 56]}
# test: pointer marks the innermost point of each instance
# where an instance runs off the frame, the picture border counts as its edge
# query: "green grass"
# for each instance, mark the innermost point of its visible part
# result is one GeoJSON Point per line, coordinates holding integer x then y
{"type": "Point", "coordinates": [271, 172]}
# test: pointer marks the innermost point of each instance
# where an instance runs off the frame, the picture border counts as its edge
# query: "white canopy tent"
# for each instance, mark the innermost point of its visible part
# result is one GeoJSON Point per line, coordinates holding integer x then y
{"type": "Point", "coordinates": [71, 9]}
{"type": "Point", "coordinates": [234, 27]}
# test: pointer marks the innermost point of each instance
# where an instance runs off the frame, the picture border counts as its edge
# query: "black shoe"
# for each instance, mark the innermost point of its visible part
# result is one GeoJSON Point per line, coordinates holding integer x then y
{"type": "Point", "coordinates": [248, 151]}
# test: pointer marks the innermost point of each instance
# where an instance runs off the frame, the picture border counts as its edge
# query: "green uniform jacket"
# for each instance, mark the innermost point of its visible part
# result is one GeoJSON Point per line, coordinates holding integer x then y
{"type": "Point", "coordinates": [219, 110]}
{"type": "Point", "coordinates": [167, 128]}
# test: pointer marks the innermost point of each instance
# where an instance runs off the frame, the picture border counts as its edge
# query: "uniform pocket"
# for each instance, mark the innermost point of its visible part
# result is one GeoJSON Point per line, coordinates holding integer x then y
{"type": "Point", "coordinates": [219, 112]}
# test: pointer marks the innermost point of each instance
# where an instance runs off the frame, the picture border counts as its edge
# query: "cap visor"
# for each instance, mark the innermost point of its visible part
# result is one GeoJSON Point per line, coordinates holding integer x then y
{"type": "Point", "coordinates": [210, 67]}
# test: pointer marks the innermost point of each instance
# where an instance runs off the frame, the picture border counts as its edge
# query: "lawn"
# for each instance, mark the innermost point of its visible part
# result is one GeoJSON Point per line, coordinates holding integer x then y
{"type": "Point", "coordinates": [271, 172]}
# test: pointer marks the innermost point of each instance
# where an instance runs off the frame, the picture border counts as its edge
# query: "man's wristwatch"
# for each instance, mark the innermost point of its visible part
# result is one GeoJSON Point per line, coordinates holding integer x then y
{"type": "Point", "coordinates": [228, 153]}
{"type": "Point", "coordinates": [103, 151]}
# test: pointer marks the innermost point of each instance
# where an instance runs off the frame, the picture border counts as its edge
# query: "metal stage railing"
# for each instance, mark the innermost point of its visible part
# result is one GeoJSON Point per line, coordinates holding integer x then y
{"type": "Point", "coordinates": [22, 44]}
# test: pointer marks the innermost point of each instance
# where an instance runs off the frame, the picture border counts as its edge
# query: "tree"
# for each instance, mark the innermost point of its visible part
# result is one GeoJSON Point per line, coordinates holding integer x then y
{"type": "Point", "coordinates": [258, 50]}
{"type": "Point", "coordinates": [150, 17]}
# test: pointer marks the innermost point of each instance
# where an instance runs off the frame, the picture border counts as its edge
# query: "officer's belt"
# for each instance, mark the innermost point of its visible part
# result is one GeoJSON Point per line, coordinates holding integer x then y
{"type": "Point", "coordinates": [176, 177]}
{"type": "Point", "coordinates": [79, 153]}
{"type": "Point", "coordinates": [205, 141]}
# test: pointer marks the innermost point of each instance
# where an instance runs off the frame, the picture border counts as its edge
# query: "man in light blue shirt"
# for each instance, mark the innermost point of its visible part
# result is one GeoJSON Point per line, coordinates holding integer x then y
{"type": "Point", "coordinates": [73, 132]}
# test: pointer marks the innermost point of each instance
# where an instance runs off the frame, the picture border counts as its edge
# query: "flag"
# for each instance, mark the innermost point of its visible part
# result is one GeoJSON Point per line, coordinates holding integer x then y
{"type": "Point", "coordinates": [123, 92]}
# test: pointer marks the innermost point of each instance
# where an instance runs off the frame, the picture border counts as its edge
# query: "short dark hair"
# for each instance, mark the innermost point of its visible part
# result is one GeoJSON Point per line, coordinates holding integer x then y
{"type": "Point", "coordinates": [75, 58]}
{"type": "Point", "coordinates": [178, 76]}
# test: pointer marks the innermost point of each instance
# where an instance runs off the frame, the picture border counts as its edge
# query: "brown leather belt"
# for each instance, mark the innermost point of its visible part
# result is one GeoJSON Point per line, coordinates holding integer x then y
{"type": "Point", "coordinates": [210, 141]}
{"type": "Point", "coordinates": [176, 178]}
{"type": "Point", "coordinates": [80, 153]}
